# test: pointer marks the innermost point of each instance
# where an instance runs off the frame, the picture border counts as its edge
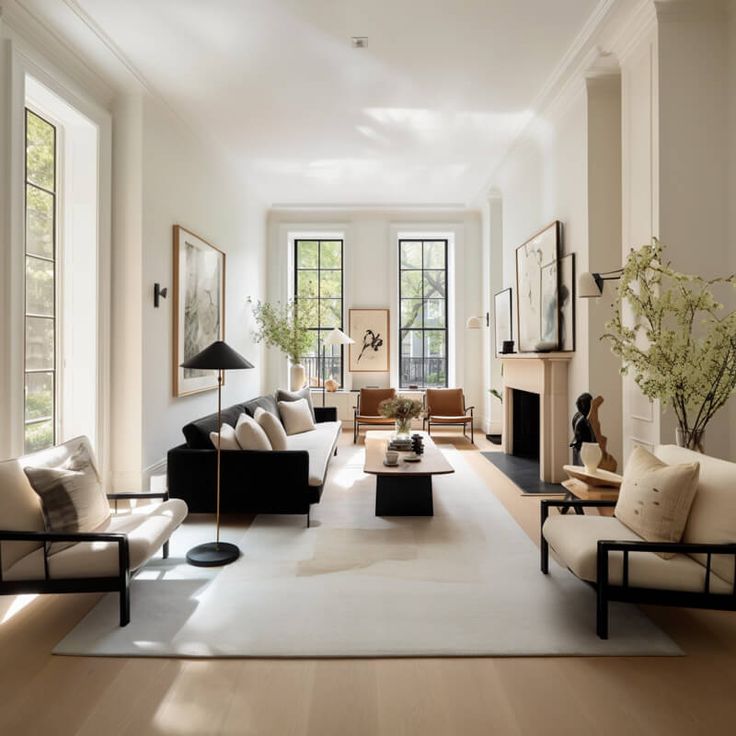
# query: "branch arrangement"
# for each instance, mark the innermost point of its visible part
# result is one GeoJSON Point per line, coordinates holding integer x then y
{"type": "Point", "coordinates": [673, 336]}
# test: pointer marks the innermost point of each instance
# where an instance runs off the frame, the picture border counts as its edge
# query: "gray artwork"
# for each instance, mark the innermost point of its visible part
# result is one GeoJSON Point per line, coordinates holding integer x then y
{"type": "Point", "coordinates": [549, 322]}
{"type": "Point", "coordinates": [567, 302]}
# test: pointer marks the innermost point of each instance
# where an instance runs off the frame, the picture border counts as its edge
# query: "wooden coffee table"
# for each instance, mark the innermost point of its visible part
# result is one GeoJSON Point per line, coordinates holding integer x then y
{"type": "Point", "coordinates": [404, 489]}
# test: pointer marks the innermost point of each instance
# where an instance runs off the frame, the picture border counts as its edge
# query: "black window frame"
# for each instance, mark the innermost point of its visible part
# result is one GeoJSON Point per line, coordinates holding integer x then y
{"type": "Point", "coordinates": [320, 328]}
{"type": "Point", "coordinates": [54, 260]}
{"type": "Point", "coordinates": [423, 329]}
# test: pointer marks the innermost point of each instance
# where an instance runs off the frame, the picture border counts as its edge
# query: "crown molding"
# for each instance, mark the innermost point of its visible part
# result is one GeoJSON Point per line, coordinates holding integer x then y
{"type": "Point", "coordinates": [641, 23]}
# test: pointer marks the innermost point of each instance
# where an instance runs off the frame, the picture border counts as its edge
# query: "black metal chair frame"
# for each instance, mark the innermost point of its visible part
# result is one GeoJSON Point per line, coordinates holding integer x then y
{"type": "Point", "coordinates": [116, 583]}
{"type": "Point", "coordinates": [606, 591]}
{"type": "Point", "coordinates": [427, 418]}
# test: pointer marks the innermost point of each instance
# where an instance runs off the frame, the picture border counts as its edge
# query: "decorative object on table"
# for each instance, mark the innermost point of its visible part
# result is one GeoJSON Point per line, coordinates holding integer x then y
{"type": "Point", "coordinates": [566, 299]}
{"type": "Point", "coordinates": [412, 457]}
{"type": "Point", "coordinates": [590, 454]}
{"type": "Point", "coordinates": [287, 327]}
{"type": "Point", "coordinates": [400, 444]}
{"type": "Point", "coordinates": [688, 359]}
{"type": "Point", "coordinates": [402, 410]}
{"type": "Point", "coordinates": [600, 485]}
{"type": "Point", "coordinates": [503, 321]}
{"type": "Point", "coordinates": [199, 308]}
{"type": "Point", "coordinates": [219, 357]}
{"type": "Point", "coordinates": [608, 461]}
{"type": "Point", "coordinates": [331, 385]}
{"type": "Point", "coordinates": [391, 458]}
{"type": "Point", "coordinates": [581, 428]}
{"type": "Point", "coordinates": [417, 444]}
{"type": "Point", "coordinates": [333, 337]}
{"type": "Point", "coordinates": [536, 290]}
{"type": "Point", "coordinates": [369, 330]}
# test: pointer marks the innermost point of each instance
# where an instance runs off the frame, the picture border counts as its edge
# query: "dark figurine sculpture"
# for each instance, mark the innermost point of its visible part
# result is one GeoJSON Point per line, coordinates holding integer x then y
{"type": "Point", "coordinates": [581, 427]}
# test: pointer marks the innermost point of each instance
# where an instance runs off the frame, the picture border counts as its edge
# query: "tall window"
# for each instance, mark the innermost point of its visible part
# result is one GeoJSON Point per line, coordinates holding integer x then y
{"type": "Point", "coordinates": [40, 283]}
{"type": "Point", "coordinates": [318, 286]}
{"type": "Point", "coordinates": [423, 313]}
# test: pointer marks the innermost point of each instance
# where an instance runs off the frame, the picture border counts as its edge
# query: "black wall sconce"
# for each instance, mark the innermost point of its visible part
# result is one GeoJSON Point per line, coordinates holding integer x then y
{"type": "Point", "coordinates": [158, 293]}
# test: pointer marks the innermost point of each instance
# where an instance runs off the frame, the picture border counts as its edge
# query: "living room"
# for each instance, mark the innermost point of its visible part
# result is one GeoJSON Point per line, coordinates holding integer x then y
{"type": "Point", "coordinates": [367, 368]}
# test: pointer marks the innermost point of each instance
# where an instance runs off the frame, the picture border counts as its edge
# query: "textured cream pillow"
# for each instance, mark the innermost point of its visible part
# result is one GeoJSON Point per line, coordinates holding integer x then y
{"type": "Point", "coordinates": [273, 428]}
{"type": "Point", "coordinates": [228, 440]}
{"type": "Point", "coordinates": [296, 415]}
{"type": "Point", "coordinates": [655, 498]}
{"type": "Point", "coordinates": [250, 435]}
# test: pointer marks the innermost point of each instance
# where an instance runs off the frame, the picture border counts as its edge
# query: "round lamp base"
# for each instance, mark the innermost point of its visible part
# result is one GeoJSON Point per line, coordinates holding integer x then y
{"type": "Point", "coordinates": [213, 554]}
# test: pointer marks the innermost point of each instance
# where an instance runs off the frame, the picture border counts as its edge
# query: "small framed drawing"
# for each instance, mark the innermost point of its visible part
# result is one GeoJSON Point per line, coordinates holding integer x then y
{"type": "Point", "coordinates": [566, 298]}
{"type": "Point", "coordinates": [502, 312]}
{"type": "Point", "coordinates": [370, 351]}
{"type": "Point", "coordinates": [199, 307]}
{"type": "Point", "coordinates": [536, 292]}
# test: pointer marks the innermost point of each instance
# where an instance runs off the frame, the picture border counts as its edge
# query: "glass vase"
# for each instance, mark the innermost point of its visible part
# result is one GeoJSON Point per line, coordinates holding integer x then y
{"type": "Point", "coordinates": [693, 440]}
{"type": "Point", "coordinates": [403, 427]}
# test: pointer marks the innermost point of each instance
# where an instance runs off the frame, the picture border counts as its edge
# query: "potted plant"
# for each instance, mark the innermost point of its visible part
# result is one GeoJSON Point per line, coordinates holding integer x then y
{"type": "Point", "coordinates": [675, 339]}
{"type": "Point", "coordinates": [288, 328]}
{"type": "Point", "coordinates": [402, 410]}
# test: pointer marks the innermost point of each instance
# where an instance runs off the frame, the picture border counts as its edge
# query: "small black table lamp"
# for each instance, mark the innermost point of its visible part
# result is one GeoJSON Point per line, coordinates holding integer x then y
{"type": "Point", "coordinates": [219, 357]}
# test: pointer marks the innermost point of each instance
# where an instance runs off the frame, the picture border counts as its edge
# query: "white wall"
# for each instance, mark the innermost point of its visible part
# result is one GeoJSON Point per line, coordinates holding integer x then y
{"type": "Point", "coordinates": [181, 181]}
{"type": "Point", "coordinates": [371, 278]}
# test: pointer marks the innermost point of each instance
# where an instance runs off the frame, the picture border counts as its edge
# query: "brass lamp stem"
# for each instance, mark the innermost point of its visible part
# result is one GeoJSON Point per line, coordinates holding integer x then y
{"type": "Point", "coordinates": [219, 442]}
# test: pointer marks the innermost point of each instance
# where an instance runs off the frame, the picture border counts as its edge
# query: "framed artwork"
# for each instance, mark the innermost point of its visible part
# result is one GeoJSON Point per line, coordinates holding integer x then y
{"type": "Point", "coordinates": [503, 324]}
{"type": "Point", "coordinates": [370, 330]}
{"type": "Point", "coordinates": [566, 298]}
{"type": "Point", "coordinates": [199, 307]}
{"type": "Point", "coordinates": [536, 290]}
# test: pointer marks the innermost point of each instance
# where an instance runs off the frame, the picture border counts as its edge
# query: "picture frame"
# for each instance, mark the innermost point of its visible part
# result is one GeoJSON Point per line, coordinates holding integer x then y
{"type": "Point", "coordinates": [370, 353]}
{"type": "Point", "coordinates": [199, 307]}
{"type": "Point", "coordinates": [567, 303]}
{"type": "Point", "coordinates": [503, 323]}
{"type": "Point", "coordinates": [537, 332]}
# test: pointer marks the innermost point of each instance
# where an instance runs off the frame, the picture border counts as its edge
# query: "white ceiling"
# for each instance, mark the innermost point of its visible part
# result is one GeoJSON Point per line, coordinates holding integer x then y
{"type": "Point", "coordinates": [421, 116]}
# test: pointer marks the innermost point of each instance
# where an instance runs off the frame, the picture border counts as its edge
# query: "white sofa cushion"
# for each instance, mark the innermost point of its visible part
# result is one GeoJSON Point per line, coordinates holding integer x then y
{"type": "Point", "coordinates": [147, 528]}
{"type": "Point", "coordinates": [273, 428]}
{"type": "Point", "coordinates": [656, 497]}
{"type": "Point", "coordinates": [574, 541]}
{"type": "Point", "coordinates": [296, 416]}
{"type": "Point", "coordinates": [320, 443]}
{"type": "Point", "coordinates": [228, 438]}
{"type": "Point", "coordinates": [712, 517]}
{"type": "Point", "coordinates": [250, 434]}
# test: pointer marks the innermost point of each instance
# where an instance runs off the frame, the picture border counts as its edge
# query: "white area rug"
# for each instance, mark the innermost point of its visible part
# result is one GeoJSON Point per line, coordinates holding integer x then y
{"type": "Point", "coordinates": [465, 582]}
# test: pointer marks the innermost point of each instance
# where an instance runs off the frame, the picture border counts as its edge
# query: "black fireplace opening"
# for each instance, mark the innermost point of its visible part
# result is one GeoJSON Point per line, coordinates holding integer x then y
{"type": "Point", "coordinates": [526, 424]}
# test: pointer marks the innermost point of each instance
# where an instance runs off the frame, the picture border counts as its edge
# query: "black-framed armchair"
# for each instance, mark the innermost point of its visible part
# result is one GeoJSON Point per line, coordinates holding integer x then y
{"type": "Point", "coordinates": [101, 559]}
{"type": "Point", "coordinates": [446, 407]}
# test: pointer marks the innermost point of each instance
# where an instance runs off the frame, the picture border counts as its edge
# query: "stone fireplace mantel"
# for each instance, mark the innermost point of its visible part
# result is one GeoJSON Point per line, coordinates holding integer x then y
{"type": "Point", "coordinates": [544, 374]}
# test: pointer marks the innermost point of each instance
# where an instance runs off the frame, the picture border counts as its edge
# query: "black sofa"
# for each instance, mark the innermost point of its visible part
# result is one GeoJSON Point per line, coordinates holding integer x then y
{"type": "Point", "coordinates": [252, 481]}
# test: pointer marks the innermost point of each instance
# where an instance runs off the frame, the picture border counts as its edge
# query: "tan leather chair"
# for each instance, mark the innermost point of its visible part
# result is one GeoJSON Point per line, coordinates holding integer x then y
{"type": "Point", "coordinates": [446, 407]}
{"type": "Point", "coordinates": [366, 410]}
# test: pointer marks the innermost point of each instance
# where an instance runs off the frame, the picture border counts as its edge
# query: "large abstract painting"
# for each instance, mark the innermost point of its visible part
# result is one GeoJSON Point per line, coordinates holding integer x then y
{"type": "Point", "coordinates": [567, 302]}
{"type": "Point", "coordinates": [199, 307]}
{"type": "Point", "coordinates": [369, 328]}
{"type": "Point", "coordinates": [504, 330]}
{"type": "Point", "coordinates": [536, 290]}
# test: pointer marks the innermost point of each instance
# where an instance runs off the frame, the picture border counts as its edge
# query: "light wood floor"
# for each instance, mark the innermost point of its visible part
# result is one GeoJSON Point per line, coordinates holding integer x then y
{"type": "Point", "coordinates": [43, 694]}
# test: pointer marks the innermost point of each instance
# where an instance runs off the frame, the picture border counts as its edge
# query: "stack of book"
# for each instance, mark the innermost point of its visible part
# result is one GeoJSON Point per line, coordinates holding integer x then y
{"type": "Point", "coordinates": [400, 444]}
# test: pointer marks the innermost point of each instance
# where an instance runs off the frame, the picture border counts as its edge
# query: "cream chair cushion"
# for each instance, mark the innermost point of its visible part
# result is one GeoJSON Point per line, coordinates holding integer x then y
{"type": "Point", "coordinates": [273, 428]}
{"type": "Point", "coordinates": [250, 434]}
{"type": "Point", "coordinates": [228, 438]}
{"type": "Point", "coordinates": [297, 416]}
{"type": "Point", "coordinates": [655, 498]}
{"type": "Point", "coordinates": [574, 540]}
{"type": "Point", "coordinates": [713, 514]}
{"type": "Point", "coordinates": [147, 528]}
{"type": "Point", "coordinates": [320, 444]}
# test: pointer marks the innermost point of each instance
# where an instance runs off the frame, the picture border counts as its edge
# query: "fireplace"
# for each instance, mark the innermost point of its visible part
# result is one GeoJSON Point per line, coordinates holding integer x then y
{"type": "Point", "coordinates": [536, 410]}
{"type": "Point", "coordinates": [526, 424]}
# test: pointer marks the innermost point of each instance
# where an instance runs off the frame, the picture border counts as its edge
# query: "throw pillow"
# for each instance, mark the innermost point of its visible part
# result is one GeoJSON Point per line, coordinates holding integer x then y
{"type": "Point", "coordinates": [296, 416]}
{"type": "Point", "coordinates": [305, 394]}
{"type": "Point", "coordinates": [72, 498]}
{"type": "Point", "coordinates": [655, 498]}
{"type": "Point", "coordinates": [228, 439]}
{"type": "Point", "coordinates": [250, 435]}
{"type": "Point", "coordinates": [272, 427]}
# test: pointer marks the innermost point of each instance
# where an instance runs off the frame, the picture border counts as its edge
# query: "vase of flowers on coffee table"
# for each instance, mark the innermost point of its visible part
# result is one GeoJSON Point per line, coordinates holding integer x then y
{"type": "Point", "coordinates": [402, 410]}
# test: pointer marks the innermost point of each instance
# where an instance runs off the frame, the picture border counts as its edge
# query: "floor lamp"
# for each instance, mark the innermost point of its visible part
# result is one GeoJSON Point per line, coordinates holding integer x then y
{"type": "Point", "coordinates": [333, 337]}
{"type": "Point", "coordinates": [220, 357]}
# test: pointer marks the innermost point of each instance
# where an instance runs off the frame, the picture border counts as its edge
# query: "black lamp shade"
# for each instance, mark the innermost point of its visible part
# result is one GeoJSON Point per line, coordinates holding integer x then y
{"type": "Point", "coordinates": [218, 356]}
